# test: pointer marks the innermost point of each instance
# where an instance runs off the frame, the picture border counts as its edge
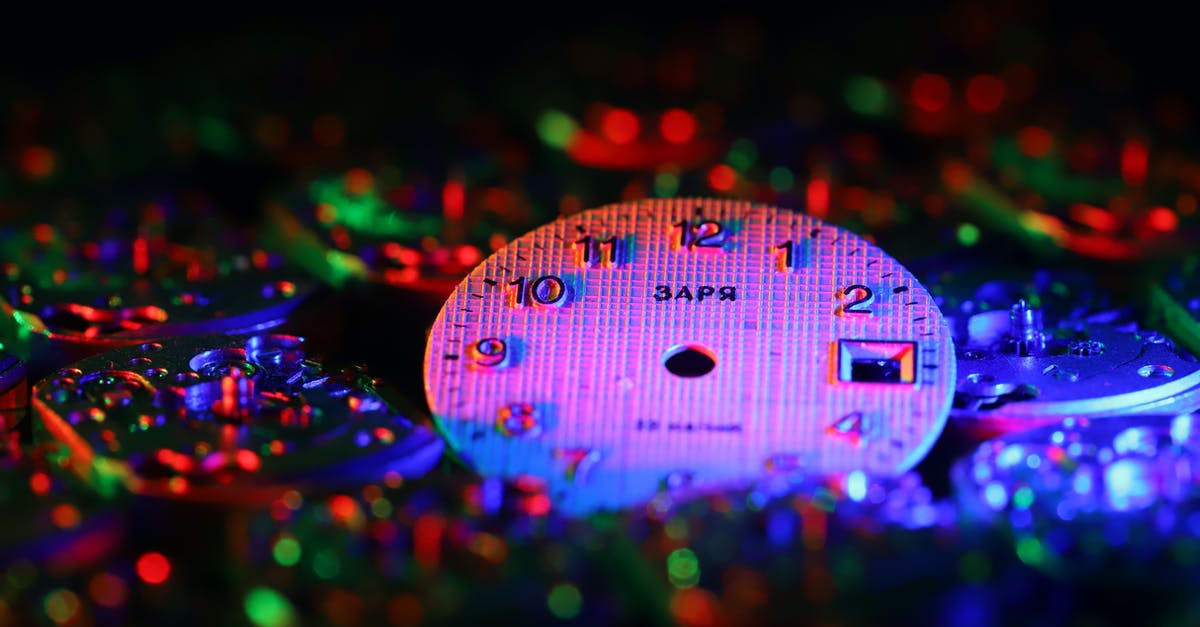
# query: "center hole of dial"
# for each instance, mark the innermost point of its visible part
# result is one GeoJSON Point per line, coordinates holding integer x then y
{"type": "Point", "coordinates": [689, 360]}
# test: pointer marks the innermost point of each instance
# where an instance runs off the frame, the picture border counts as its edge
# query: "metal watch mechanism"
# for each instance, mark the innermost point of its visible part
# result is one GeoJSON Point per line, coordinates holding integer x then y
{"type": "Point", "coordinates": [1086, 490]}
{"type": "Point", "coordinates": [226, 419]}
{"type": "Point", "coordinates": [968, 285]}
{"type": "Point", "coordinates": [675, 344]}
{"type": "Point", "coordinates": [79, 288]}
{"type": "Point", "coordinates": [1016, 371]}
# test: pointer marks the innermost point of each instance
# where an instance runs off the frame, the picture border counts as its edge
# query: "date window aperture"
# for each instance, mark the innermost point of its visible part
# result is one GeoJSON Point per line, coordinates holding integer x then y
{"type": "Point", "coordinates": [871, 361]}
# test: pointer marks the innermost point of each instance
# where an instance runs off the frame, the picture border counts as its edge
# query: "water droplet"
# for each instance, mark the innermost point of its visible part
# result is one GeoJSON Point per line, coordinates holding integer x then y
{"type": "Point", "coordinates": [111, 388]}
{"type": "Point", "coordinates": [1156, 371]}
{"type": "Point", "coordinates": [284, 353]}
{"type": "Point", "coordinates": [222, 362]}
{"type": "Point", "coordinates": [1086, 348]}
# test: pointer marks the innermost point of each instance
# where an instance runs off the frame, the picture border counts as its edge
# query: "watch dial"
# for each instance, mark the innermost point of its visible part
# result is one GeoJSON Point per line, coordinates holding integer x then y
{"type": "Point", "coordinates": [679, 343]}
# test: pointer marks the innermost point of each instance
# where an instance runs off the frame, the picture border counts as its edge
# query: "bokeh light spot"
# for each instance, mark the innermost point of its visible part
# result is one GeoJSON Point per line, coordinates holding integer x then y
{"type": "Point", "coordinates": [967, 234]}
{"type": "Point", "coordinates": [620, 126]}
{"type": "Point", "coordinates": [153, 567]}
{"type": "Point", "coordinates": [1162, 219]}
{"type": "Point", "coordinates": [108, 590]}
{"type": "Point", "coordinates": [564, 601]}
{"type": "Point", "coordinates": [866, 95]}
{"type": "Point", "coordinates": [677, 126]}
{"type": "Point", "coordinates": [62, 606]}
{"type": "Point", "coordinates": [555, 128]}
{"type": "Point", "coordinates": [930, 93]}
{"type": "Point", "coordinates": [722, 178]}
{"type": "Point", "coordinates": [286, 550]}
{"type": "Point", "coordinates": [1035, 141]}
{"type": "Point", "coordinates": [985, 93]}
{"type": "Point", "coordinates": [267, 608]}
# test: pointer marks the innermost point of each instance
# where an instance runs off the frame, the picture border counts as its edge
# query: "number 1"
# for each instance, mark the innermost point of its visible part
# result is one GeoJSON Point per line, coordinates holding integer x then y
{"type": "Point", "coordinates": [785, 259]}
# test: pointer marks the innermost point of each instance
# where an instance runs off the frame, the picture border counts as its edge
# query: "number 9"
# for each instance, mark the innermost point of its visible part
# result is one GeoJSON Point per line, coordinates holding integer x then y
{"type": "Point", "coordinates": [490, 352]}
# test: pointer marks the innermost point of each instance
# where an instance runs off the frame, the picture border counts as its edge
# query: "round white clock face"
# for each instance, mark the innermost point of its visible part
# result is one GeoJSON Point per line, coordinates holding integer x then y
{"type": "Point", "coordinates": [681, 343]}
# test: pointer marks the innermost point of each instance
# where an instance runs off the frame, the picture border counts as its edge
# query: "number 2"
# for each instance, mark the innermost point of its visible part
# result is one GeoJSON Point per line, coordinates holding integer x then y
{"type": "Point", "coordinates": [864, 298]}
{"type": "Point", "coordinates": [709, 234]}
{"type": "Point", "coordinates": [706, 234]}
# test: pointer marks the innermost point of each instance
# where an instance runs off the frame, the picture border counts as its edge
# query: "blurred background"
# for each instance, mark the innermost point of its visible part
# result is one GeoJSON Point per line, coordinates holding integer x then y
{"type": "Point", "coordinates": [1026, 134]}
{"type": "Point", "coordinates": [375, 155]}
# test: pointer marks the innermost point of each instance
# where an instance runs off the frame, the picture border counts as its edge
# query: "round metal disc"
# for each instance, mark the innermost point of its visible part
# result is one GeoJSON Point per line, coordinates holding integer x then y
{"type": "Point", "coordinates": [1086, 369]}
{"type": "Point", "coordinates": [675, 343]}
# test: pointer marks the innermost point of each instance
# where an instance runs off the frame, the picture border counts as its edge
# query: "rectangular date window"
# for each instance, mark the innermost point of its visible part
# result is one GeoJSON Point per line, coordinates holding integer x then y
{"type": "Point", "coordinates": [874, 361]}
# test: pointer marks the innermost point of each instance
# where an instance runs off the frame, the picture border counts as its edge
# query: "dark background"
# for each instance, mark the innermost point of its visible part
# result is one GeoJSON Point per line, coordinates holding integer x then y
{"type": "Point", "coordinates": [122, 100]}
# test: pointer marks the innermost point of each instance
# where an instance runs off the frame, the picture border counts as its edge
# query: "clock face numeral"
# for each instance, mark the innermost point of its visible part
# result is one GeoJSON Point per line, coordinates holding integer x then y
{"type": "Point", "coordinates": [674, 344]}
{"type": "Point", "coordinates": [576, 463]}
{"type": "Point", "coordinates": [591, 252]}
{"type": "Point", "coordinates": [488, 353]}
{"type": "Point", "coordinates": [709, 234]}
{"type": "Point", "coordinates": [856, 301]}
{"type": "Point", "coordinates": [786, 256]}
{"type": "Point", "coordinates": [547, 290]}
{"type": "Point", "coordinates": [687, 234]}
{"type": "Point", "coordinates": [850, 428]}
